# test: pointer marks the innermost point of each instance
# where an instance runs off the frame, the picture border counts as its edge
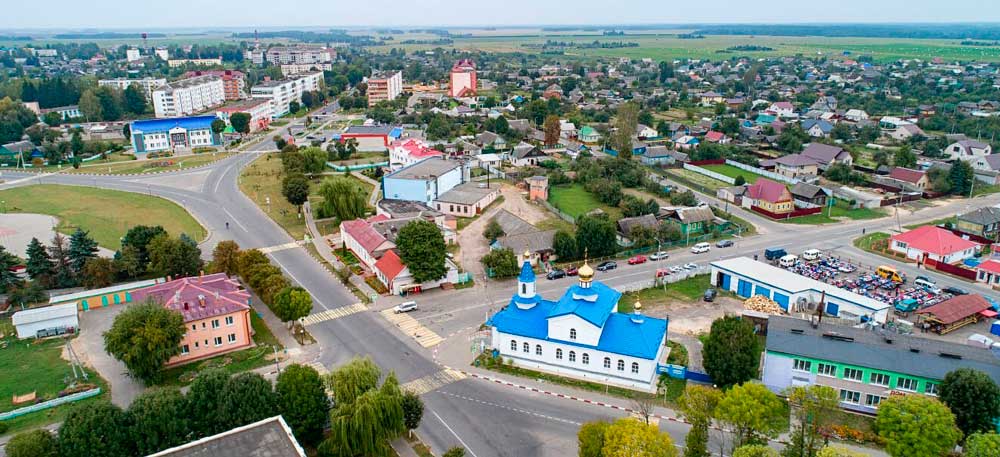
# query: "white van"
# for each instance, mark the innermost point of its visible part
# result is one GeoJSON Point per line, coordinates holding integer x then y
{"type": "Point", "coordinates": [927, 285]}
{"type": "Point", "coordinates": [811, 254]}
{"type": "Point", "coordinates": [701, 248]}
{"type": "Point", "coordinates": [788, 261]}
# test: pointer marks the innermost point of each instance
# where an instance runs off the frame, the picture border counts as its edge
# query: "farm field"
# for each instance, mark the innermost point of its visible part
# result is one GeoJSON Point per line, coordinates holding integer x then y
{"type": "Point", "coordinates": [100, 211]}
{"type": "Point", "coordinates": [576, 201]}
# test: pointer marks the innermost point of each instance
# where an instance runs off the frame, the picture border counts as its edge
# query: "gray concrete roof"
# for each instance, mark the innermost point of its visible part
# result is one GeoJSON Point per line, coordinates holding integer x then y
{"type": "Point", "coordinates": [267, 438]}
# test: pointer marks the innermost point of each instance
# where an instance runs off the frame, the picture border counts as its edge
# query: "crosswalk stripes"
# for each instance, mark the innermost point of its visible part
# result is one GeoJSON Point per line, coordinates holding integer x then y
{"type": "Point", "coordinates": [319, 368]}
{"type": "Point", "coordinates": [280, 247]}
{"type": "Point", "coordinates": [331, 314]}
{"type": "Point", "coordinates": [424, 336]}
{"type": "Point", "coordinates": [433, 381]}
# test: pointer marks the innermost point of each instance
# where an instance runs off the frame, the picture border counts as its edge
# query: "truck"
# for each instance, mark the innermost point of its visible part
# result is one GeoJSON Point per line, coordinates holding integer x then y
{"type": "Point", "coordinates": [772, 254]}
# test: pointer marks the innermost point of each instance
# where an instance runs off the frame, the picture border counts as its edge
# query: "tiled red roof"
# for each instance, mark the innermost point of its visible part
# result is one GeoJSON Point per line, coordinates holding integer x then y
{"type": "Point", "coordinates": [418, 149]}
{"type": "Point", "coordinates": [991, 266]}
{"type": "Point", "coordinates": [958, 308]}
{"type": "Point", "coordinates": [767, 190]}
{"type": "Point", "coordinates": [715, 136]}
{"type": "Point", "coordinates": [934, 240]}
{"type": "Point", "coordinates": [390, 265]}
{"type": "Point", "coordinates": [906, 174]}
{"type": "Point", "coordinates": [205, 296]}
{"type": "Point", "coordinates": [362, 231]}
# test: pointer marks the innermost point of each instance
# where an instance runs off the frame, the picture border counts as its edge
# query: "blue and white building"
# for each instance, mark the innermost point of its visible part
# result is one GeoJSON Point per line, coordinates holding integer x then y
{"type": "Point", "coordinates": [793, 292]}
{"type": "Point", "coordinates": [425, 180]}
{"type": "Point", "coordinates": [580, 335]}
{"type": "Point", "coordinates": [154, 135]}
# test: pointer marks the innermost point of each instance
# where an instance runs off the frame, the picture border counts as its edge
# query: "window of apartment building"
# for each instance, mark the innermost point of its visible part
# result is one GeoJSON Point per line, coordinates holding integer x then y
{"type": "Point", "coordinates": [526, 347]}
{"type": "Point", "coordinates": [825, 369]}
{"type": "Point", "coordinates": [585, 358]}
{"type": "Point", "coordinates": [229, 320]}
{"type": "Point", "coordinates": [558, 354]}
{"type": "Point", "coordinates": [853, 374]}
{"type": "Point", "coordinates": [572, 333]}
{"type": "Point", "coordinates": [194, 327]}
{"type": "Point", "coordinates": [932, 389]}
{"type": "Point", "coordinates": [906, 384]}
{"type": "Point", "coordinates": [218, 341]}
{"type": "Point", "coordinates": [850, 396]}
{"type": "Point", "coordinates": [215, 323]}
{"type": "Point", "coordinates": [635, 367]}
{"type": "Point", "coordinates": [621, 365]}
{"type": "Point", "coordinates": [801, 365]}
{"type": "Point", "coordinates": [202, 325]}
{"type": "Point", "coordinates": [196, 345]}
{"type": "Point", "coordinates": [607, 362]}
{"type": "Point", "coordinates": [572, 356]}
{"type": "Point", "coordinates": [232, 337]}
{"type": "Point", "coordinates": [879, 379]}
{"type": "Point", "coordinates": [538, 349]}
{"type": "Point", "coordinates": [872, 401]}
{"type": "Point", "coordinates": [185, 349]}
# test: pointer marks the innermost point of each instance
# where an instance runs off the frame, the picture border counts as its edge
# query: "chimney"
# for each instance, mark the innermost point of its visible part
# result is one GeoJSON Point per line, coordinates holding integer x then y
{"type": "Point", "coordinates": [177, 295]}
{"type": "Point", "coordinates": [201, 275]}
{"type": "Point", "coordinates": [201, 300]}
{"type": "Point", "coordinates": [186, 306]}
{"type": "Point", "coordinates": [169, 279]}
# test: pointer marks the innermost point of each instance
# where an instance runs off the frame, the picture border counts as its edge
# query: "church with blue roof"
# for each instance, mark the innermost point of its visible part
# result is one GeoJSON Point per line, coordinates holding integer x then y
{"type": "Point", "coordinates": [581, 334]}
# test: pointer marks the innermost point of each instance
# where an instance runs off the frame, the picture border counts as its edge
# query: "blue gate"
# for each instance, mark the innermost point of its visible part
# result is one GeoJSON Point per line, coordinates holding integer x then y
{"type": "Point", "coordinates": [832, 309]}
{"type": "Point", "coordinates": [781, 300]}
{"type": "Point", "coordinates": [763, 291]}
{"type": "Point", "coordinates": [726, 280]}
{"type": "Point", "coordinates": [744, 288]}
{"type": "Point", "coordinates": [698, 377]}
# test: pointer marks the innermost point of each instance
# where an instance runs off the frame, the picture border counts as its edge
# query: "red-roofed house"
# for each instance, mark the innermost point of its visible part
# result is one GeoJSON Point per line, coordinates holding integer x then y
{"type": "Point", "coordinates": [364, 241]}
{"type": "Point", "coordinates": [391, 270]}
{"type": "Point", "coordinates": [770, 196]}
{"type": "Point", "coordinates": [934, 243]}
{"type": "Point", "coordinates": [915, 178]}
{"type": "Point", "coordinates": [408, 152]}
{"type": "Point", "coordinates": [717, 137]}
{"type": "Point", "coordinates": [216, 313]}
{"type": "Point", "coordinates": [988, 272]}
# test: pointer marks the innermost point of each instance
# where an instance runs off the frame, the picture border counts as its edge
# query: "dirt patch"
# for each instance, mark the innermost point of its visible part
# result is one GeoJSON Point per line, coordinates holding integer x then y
{"type": "Point", "coordinates": [693, 317]}
{"type": "Point", "coordinates": [516, 203]}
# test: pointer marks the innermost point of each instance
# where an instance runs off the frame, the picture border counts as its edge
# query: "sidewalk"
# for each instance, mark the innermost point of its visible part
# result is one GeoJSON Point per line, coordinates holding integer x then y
{"type": "Point", "coordinates": [326, 252]}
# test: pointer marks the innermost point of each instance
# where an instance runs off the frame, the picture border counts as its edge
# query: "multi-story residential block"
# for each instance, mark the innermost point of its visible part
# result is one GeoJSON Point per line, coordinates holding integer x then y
{"type": "Point", "coordinates": [296, 68]}
{"type": "Point", "coordinates": [463, 79]}
{"type": "Point", "coordinates": [148, 85]}
{"type": "Point", "coordinates": [280, 55]}
{"type": "Point", "coordinates": [188, 96]}
{"type": "Point", "coordinates": [259, 110]}
{"type": "Point", "coordinates": [152, 135]}
{"type": "Point", "coordinates": [282, 93]}
{"type": "Point", "coordinates": [132, 55]}
{"type": "Point", "coordinates": [384, 87]}
{"type": "Point", "coordinates": [173, 63]}
{"type": "Point", "coordinates": [865, 366]}
{"type": "Point", "coordinates": [233, 83]}
{"type": "Point", "coordinates": [162, 53]}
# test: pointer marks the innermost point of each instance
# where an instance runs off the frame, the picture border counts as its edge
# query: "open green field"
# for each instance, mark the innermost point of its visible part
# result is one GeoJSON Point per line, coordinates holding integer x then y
{"type": "Point", "coordinates": [151, 165]}
{"type": "Point", "coordinates": [576, 201]}
{"type": "Point", "coordinates": [106, 214]}
{"type": "Point", "coordinates": [837, 212]}
{"type": "Point", "coordinates": [733, 172]}
{"type": "Point", "coordinates": [36, 366]}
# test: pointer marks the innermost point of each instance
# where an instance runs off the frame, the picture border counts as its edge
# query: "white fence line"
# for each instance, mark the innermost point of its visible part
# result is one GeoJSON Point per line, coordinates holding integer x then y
{"type": "Point", "coordinates": [710, 173]}
{"type": "Point", "coordinates": [760, 171]}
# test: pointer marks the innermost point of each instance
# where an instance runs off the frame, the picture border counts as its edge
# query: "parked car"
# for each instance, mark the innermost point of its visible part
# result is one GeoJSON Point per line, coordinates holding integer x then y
{"type": "Point", "coordinates": [710, 294]}
{"type": "Point", "coordinates": [405, 307]}
{"type": "Point", "coordinates": [659, 255]}
{"type": "Point", "coordinates": [811, 254]}
{"type": "Point", "coordinates": [607, 265]}
{"type": "Point", "coordinates": [676, 269]}
{"type": "Point", "coordinates": [690, 266]}
{"type": "Point", "coordinates": [925, 279]}
{"type": "Point", "coordinates": [701, 248]}
{"type": "Point", "coordinates": [773, 254]}
{"type": "Point", "coordinates": [927, 285]}
{"type": "Point", "coordinates": [955, 290]}
{"type": "Point", "coordinates": [637, 260]}
{"type": "Point", "coordinates": [556, 274]}
{"type": "Point", "coordinates": [572, 271]}
{"type": "Point", "coordinates": [724, 243]}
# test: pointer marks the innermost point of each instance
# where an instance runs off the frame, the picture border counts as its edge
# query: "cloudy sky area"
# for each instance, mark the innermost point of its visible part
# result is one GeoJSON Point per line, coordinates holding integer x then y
{"type": "Point", "coordinates": [144, 14]}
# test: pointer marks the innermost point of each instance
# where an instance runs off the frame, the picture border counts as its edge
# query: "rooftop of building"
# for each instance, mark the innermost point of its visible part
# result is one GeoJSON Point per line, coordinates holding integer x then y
{"type": "Point", "coordinates": [468, 193]}
{"type": "Point", "coordinates": [270, 437]}
{"type": "Point", "coordinates": [189, 82]}
{"type": "Point", "coordinates": [426, 169]}
{"type": "Point", "coordinates": [198, 297]}
{"type": "Point", "coordinates": [164, 125]}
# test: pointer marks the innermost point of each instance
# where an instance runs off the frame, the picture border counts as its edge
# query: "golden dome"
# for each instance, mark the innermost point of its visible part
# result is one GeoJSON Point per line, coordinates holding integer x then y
{"type": "Point", "coordinates": [586, 273]}
{"type": "Point", "coordinates": [637, 306]}
{"type": "Point", "coordinates": [527, 254]}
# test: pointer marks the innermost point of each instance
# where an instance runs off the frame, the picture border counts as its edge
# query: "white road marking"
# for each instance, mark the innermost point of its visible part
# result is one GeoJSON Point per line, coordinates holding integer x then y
{"type": "Point", "coordinates": [433, 381]}
{"type": "Point", "coordinates": [466, 446]}
{"type": "Point", "coordinates": [332, 314]}
{"type": "Point", "coordinates": [508, 408]}
{"type": "Point", "coordinates": [425, 336]}
{"type": "Point", "coordinates": [237, 221]}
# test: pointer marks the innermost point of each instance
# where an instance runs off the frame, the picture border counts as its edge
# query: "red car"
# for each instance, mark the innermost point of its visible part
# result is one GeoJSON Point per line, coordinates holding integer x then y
{"type": "Point", "coordinates": [572, 271]}
{"type": "Point", "coordinates": [637, 260]}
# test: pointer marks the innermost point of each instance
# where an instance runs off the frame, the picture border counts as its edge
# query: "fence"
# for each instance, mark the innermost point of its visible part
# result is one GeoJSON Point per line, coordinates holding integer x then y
{"type": "Point", "coordinates": [558, 212]}
{"type": "Point", "coordinates": [491, 169]}
{"type": "Point", "coordinates": [900, 199]}
{"type": "Point", "coordinates": [50, 404]}
{"type": "Point", "coordinates": [356, 167]}
{"type": "Point", "coordinates": [964, 273]}
{"type": "Point", "coordinates": [710, 173]}
{"type": "Point", "coordinates": [789, 215]}
{"type": "Point", "coordinates": [760, 171]}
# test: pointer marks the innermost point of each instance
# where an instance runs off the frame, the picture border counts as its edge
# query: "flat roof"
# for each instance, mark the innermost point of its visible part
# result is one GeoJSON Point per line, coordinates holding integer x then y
{"type": "Point", "coordinates": [468, 193]}
{"type": "Point", "coordinates": [106, 290]}
{"type": "Point", "coordinates": [44, 313]}
{"type": "Point", "coordinates": [424, 169]}
{"type": "Point", "coordinates": [791, 282]}
{"type": "Point", "coordinates": [189, 82]}
{"type": "Point", "coordinates": [270, 437]}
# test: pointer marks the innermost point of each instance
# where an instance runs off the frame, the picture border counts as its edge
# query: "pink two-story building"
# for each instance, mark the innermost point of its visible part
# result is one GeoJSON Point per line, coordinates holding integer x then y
{"type": "Point", "coordinates": [216, 313]}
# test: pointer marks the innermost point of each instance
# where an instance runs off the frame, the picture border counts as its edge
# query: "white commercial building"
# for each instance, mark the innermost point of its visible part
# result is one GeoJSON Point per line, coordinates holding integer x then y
{"type": "Point", "coordinates": [132, 55]}
{"type": "Point", "coordinates": [793, 292]}
{"type": "Point", "coordinates": [46, 321]}
{"type": "Point", "coordinates": [148, 85]}
{"type": "Point", "coordinates": [188, 96]}
{"type": "Point", "coordinates": [282, 93]}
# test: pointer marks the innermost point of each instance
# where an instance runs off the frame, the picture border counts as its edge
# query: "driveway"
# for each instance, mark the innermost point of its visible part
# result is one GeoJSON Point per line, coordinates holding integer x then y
{"type": "Point", "coordinates": [474, 246]}
{"type": "Point", "coordinates": [89, 347]}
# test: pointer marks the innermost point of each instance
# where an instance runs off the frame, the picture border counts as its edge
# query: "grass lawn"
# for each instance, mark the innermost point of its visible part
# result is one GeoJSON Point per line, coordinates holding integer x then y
{"type": "Point", "coordinates": [941, 221]}
{"type": "Point", "coordinates": [865, 242]}
{"type": "Point", "coordinates": [260, 181]}
{"type": "Point", "coordinates": [576, 201]}
{"type": "Point", "coordinates": [556, 223]}
{"type": "Point", "coordinates": [696, 181]}
{"type": "Point", "coordinates": [106, 214]}
{"type": "Point", "coordinates": [151, 166]}
{"type": "Point", "coordinates": [36, 366]}
{"type": "Point", "coordinates": [837, 212]}
{"type": "Point", "coordinates": [690, 289]}
{"type": "Point", "coordinates": [733, 172]}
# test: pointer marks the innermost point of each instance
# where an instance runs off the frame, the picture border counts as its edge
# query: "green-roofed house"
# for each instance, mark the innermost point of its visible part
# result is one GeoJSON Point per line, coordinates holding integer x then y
{"type": "Point", "coordinates": [588, 135]}
{"type": "Point", "coordinates": [19, 152]}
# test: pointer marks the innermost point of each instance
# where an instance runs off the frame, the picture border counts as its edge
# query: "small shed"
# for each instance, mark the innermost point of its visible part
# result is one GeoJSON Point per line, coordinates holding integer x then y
{"type": "Point", "coordinates": [957, 312]}
{"type": "Point", "coordinates": [46, 321]}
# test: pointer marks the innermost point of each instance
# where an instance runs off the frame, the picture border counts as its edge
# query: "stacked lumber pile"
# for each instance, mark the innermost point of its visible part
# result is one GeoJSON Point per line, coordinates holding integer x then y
{"type": "Point", "coordinates": [762, 304]}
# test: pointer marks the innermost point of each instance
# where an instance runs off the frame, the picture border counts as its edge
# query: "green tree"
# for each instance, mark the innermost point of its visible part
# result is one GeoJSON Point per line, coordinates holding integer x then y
{"type": "Point", "coordinates": [174, 257]}
{"type": "Point", "coordinates": [413, 410]}
{"type": "Point", "coordinates": [597, 235]}
{"type": "Point", "coordinates": [303, 403]}
{"type": "Point", "coordinates": [240, 122]}
{"type": "Point", "coordinates": [8, 279]}
{"type": "Point", "coordinates": [422, 250]}
{"type": "Point", "coordinates": [624, 129]}
{"type": "Point", "coordinates": [135, 100]}
{"type": "Point", "coordinates": [295, 188]}
{"type": "Point", "coordinates": [564, 244]}
{"type": "Point", "coordinates": [291, 304]}
{"type": "Point", "coordinates": [96, 429]}
{"type": "Point", "coordinates": [139, 238]}
{"type": "Point", "coordinates": [245, 399]}
{"type": "Point", "coordinates": [204, 401]}
{"type": "Point", "coordinates": [686, 198]}
{"type": "Point", "coordinates": [98, 272]}
{"type": "Point", "coordinates": [62, 270]}
{"type": "Point", "coordinates": [976, 445]}
{"type": "Point", "coordinates": [739, 181]}
{"type": "Point", "coordinates": [218, 126]}
{"type": "Point", "coordinates": [38, 265]}
{"type": "Point", "coordinates": [34, 443]}
{"type": "Point", "coordinates": [916, 426]}
{"type": "Point", "coordinates": [343, 199]}
{"type": "Point", "coordinates": [502, 262]}
{"type": "Point", "coordinates": [590, 439]}
{"type": "Point", "coordinates": [493, 230]}
{"type": "Point", "coordinates": [225, 257]}
{"type": "Point", "coordinates": [960, 176]}
{"type": "Point", "coordinates": [752, 412]}
{"type": "Point", "coordinates": [628, 437]}
{"type": "Point", "coordinates": [90, 106]}
{"type": "Point", "coordinates": [904, 157]}
{"type": "Point", "coordinates": [81, 249]}
{"type": "Point", "coordinates": [813, 409]}
{"type": "Point", "coordinates": [144, 337]}
{"type": "Point", "coordinates": [973, 398]}
{"type": "Point", "coordinates": [76, 143]}
{"type": "Point", "coordinates": [837, 451]}
{"type": "Point", "coordinates": [127, 263]}
{"type": "Point", "coordinates": [551, 129]}
{"type": "Point", "coordinates": [456, 451]}
{"type": "Point", "coordinates": [755, 450]}
{"type": "Point", "coordinates": [366, 415]}
{"type": "Point", "coordinates": [158, 420]}
{"type": "Point", "coordinates": [731, 352]}
{"type": "Point", "coordinates": [697, 406]}
{"type": "Point", "coordinates": [315, 160]}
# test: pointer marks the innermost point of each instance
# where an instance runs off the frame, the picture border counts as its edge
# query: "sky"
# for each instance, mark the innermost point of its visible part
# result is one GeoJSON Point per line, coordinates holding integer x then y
{"type": "Point", "coordinates": [150, 14]}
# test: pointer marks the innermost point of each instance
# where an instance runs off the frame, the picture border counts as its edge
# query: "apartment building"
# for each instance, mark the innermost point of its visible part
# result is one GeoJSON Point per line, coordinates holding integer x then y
{"type": "Point", "coordinates": [303, 55]}
{"type": "Point", "coordinates": [296, 68]}
{"type": "Point", "coordinates": [383, 87]}
{"type": "Point", "coordinates": [463, 79]}
{"type": "Point", "coordinates": [233, 82]}
{"type": "Point", "coordinates": [188, 96]}
{"type": "Point", "coordinates": [259, 110]}
{"type": "Point", "coordinates": [148, 85]}
{"type": "Point", "coordinates": [173, 63]}
{"type": "Point", "coordinates": [283, 92]}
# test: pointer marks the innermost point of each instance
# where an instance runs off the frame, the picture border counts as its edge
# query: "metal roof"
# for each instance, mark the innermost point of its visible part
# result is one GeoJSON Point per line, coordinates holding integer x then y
{"type": "Point", "coordinates": [45, 313]}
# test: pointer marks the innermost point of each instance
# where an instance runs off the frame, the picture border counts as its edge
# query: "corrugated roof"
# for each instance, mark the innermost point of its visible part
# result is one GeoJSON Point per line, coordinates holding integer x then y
{"type": "Point", "coordinates": [593, 304]}
{"type": "Point", "coordinates": [266, 438]}
{"type": "Point", "coordinates": [934, 240]}
{"type": "Point", "coordinates": [43, 314]}
{"type": "Point", "coordinates": [205, 296]}
{"type": "Point", "coordinates": [957, 308]}
{"type": "Point", "coordinates": [106, 290]}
